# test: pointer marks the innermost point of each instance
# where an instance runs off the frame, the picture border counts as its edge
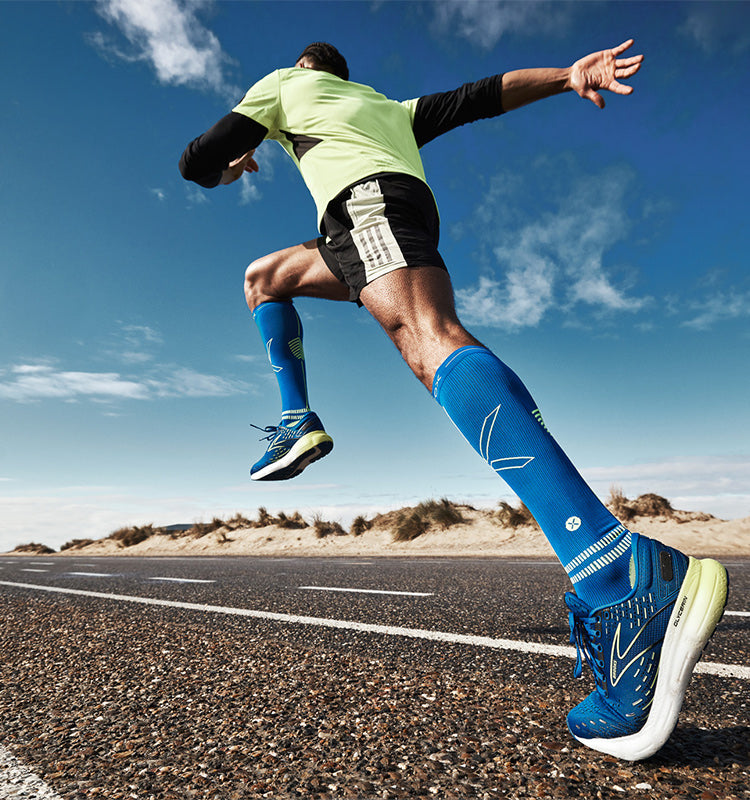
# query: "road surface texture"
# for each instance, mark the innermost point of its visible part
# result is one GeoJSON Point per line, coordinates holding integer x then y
{"type": "Point", "coordinates": [233, 678]}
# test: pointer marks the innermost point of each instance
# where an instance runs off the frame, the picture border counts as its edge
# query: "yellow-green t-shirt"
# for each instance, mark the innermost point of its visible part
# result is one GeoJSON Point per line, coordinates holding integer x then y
{"type": "Point", "coordinates": [336, 131]}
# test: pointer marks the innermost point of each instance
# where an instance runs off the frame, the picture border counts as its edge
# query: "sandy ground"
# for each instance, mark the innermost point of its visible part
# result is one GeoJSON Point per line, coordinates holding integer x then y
{"type": "Point", "coordinates": [479, 536]}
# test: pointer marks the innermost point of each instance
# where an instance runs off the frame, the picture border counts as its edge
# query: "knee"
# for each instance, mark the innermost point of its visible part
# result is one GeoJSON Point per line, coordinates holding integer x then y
{"type": "Point", "coordinates": [260, 285]}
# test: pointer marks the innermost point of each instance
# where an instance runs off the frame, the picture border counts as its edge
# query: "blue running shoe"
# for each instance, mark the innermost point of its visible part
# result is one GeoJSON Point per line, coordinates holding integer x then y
{"type": "Point", "coordinates": [642, 650]}
{"type": "Point", "coordinates": [293, 446]}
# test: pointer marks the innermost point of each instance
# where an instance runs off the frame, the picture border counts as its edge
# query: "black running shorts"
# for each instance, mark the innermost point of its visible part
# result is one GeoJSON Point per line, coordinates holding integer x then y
{"type": "Point", "coordinates": [382, 223]}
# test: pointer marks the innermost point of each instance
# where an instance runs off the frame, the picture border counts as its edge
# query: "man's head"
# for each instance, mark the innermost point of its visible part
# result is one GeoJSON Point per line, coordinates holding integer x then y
{"type": "Point", "coordinates": [324, 57]}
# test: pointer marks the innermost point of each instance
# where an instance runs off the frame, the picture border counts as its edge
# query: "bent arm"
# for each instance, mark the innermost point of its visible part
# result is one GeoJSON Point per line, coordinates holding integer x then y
{"type": "Point", "coordinates": [208, 156]}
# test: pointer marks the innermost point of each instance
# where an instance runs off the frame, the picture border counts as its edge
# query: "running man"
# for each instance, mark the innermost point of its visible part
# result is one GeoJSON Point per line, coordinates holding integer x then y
{"type": "Point", "coordinates": [641, 612]}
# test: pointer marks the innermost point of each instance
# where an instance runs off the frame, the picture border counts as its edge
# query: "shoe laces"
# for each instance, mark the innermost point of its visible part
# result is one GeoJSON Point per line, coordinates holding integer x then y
{"type": "Point", "coordinates": [271, 430]}
{"type": "Point", "coordinates": [585, 634]}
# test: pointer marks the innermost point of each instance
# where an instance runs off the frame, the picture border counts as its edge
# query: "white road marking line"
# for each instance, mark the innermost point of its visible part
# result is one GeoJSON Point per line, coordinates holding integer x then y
{"type": "Point", "coordinates": [92, 574]}
{"type": "Point", "coordinates": [182, 580]}
{"type": "Point", "coordinates": [31, 569]}
{"type": "Point", "coordinates": [365, 591]}
{"type": "Point", "coordinates": [42, 563]}
{"type": "Point", "coordinates": [723, 670]}
{"type": "Point", "coordinates": [737, 613]}
{"type": "Point", "coordinates": [16, 780]}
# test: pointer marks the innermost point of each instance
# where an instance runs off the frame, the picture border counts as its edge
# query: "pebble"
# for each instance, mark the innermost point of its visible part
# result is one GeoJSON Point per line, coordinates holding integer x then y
{"type": "Point", "coordinates": [163, 705]}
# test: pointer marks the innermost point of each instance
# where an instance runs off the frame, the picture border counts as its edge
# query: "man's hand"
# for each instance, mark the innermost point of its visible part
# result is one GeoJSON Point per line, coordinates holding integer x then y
{"type": "Point", "coordinates": [242, 164]}
{"type": "Point", "coordinates": [601, 71]}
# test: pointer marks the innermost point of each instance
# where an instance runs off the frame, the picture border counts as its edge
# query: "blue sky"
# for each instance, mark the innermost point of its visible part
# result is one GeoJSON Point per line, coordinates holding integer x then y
{"type": "Point", "coordinates": [602, 254]}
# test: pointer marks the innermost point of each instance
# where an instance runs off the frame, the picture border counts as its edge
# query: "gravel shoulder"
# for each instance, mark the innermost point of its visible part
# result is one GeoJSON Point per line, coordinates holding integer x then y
{"type": "Point", "coordinates": [163, 704]}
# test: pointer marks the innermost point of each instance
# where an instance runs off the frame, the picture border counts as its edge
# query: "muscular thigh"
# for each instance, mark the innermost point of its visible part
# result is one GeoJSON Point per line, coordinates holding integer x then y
{"type": "Point", "coordinates": [297, 271]}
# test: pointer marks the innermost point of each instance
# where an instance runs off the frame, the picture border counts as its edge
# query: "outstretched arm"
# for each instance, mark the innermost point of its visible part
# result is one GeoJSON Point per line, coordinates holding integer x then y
{"type": "Point", "coordinates": [436, 114]}
{"type": "Point", "coordinates": [586, 77]}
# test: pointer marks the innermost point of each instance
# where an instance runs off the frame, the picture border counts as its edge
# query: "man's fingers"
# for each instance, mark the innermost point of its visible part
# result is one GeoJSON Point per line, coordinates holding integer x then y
{"type": "Point", "coordinates": [626, 72]}
{"type": "Point", "coordinates": [595, 97]}
{"type": "Point", "coordinates": [622, 47]}
{"type": "Point", "coordinates": [627, 62]}
{"type": "Point", "coordinates": [620, 88]}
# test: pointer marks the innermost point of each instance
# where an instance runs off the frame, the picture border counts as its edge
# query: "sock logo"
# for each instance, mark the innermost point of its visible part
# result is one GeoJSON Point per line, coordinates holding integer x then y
{"type": "Point", "coordinates": [268, 350]}
{"type": "Point", "coordinates": [295, 347]}
{"type": "Point", "coordinates": [573, 523]}
{"type": "Point", "coordinates": [485, 441]}
{"type": "Point", "coordinates": [537, 414]}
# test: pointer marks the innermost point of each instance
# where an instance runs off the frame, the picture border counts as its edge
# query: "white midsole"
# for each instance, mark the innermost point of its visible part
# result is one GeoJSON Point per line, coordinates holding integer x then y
{"type": "Point", "coordinates": [696, 612]}
{"type": "Point", "coordinates": [307, 442]}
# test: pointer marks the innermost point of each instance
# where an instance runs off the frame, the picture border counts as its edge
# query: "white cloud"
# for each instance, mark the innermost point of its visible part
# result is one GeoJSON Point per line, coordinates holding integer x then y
{"type": "Point", "coordinates": [195, 195]}
{"type": "Point", "coordinates": [24, 383]}
{"type": "Point", "coordinates": [133, 344]}
{"type": "Point", "coordinates": [185, 382]}
{"type": "Point", "coordinates": [58, 515]}
{"type": "Point", "coordinates": [159, 194]}
{"type": "Point", "coordinates": [555, 260]}
{"type": "Point", "coordinates": [715, 484]}
{"type": "Point", "coordinates": [135, 335]}
{"type": "Point", "coordinates": [39, 382]}
{"type": "Point", "coordinates": [485, 22]}
{"type": "Point", "coordinates": [249, 192]}
{"type": "Point", "coordinates": [168, 35]}
{"type": "Point", "coordinates": [719, 307]}
{"type": "Point", "coordinates": [718, 27]}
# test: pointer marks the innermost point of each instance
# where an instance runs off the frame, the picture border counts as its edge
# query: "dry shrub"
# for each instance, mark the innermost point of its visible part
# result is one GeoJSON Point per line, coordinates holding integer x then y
{"type": "Point", "coordinates": [652, 505]}
{"type": "Point", "coordinates": [238, 522]}
{"type": "Point", "coordinates": [645, 505]}
{"type": "Point", "coordinates": [127, 537]}
{"type": "Point", "coordinates": [75, 544]}
{"type": "Point", "coordinates": [295, 522]}
{"type": "Point", "coordinates": [359, 526]}
{"type": "Point", "coordinates": [264, 518]}
{"type": "Point", "coordinates": [510, 517]}
{"type": "Point", "coordinates": [33, 547]}
{"type": "Point", "coordinates": [325, 528]}
{"type": "Point", "coordinates": [442, 512]}
{"type": "Point", "coordinates": [619, 504]}
{"type": "Point", "coordinates": [410, 525]}
{"type": "Point", "coordinates": [203, 528]}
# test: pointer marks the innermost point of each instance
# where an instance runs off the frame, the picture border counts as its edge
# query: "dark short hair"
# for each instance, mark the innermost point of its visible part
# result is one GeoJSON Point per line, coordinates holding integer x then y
{"type": "Point", "coordinates": [326, 58]}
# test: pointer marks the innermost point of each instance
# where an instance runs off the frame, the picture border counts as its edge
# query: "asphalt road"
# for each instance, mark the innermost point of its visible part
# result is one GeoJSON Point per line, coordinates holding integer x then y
{"type": "Point", "coordinates": [366, 677]}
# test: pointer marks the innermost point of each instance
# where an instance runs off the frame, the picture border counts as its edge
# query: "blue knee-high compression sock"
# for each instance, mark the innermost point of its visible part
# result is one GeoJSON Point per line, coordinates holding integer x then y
{"type": "Point", "coordinates": [492, 408]}
{"type": "Point", "coordinates": [281, 329]}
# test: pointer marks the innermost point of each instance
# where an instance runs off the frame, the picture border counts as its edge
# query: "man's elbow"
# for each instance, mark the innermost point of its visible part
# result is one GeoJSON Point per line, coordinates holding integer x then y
{"type": "Point", "coordinates": [190, 173]}
{"type": "Point", "coordinates": [184, 167]}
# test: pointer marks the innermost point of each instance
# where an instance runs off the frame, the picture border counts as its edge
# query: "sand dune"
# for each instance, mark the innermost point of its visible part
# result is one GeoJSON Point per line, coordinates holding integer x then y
{"type": "Point", "coordinates": [480, 535]}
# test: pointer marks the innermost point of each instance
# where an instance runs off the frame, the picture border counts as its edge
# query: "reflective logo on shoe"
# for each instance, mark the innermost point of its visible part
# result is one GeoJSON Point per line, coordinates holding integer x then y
{"type": "Point", "coordinates": [616, 668]}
